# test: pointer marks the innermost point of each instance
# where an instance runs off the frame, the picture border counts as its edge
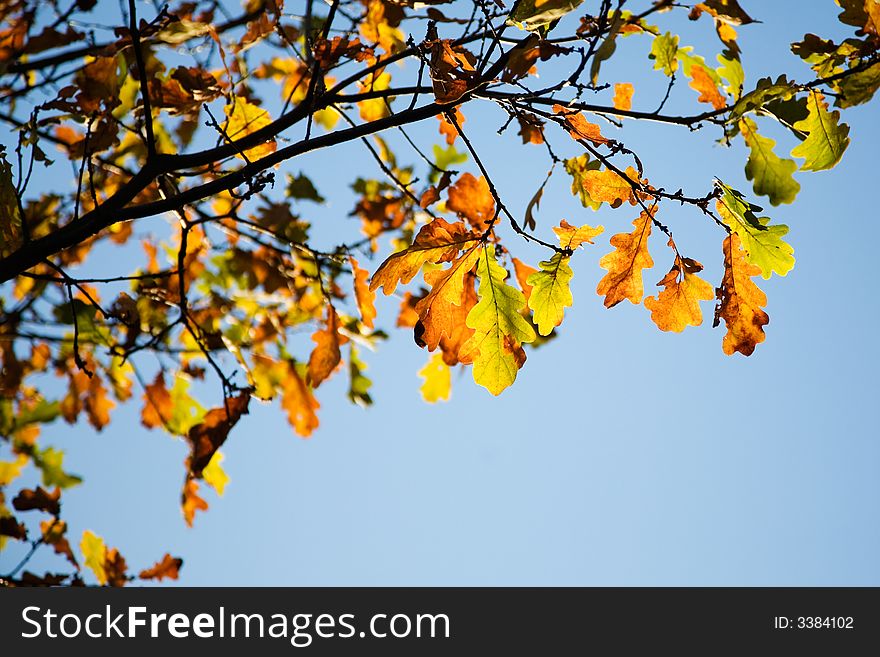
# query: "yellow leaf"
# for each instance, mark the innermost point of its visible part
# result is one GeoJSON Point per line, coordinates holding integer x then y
{"type": "Point", "coordinates": [571, 237]}
{"type": "Point", "coordinates": [10, 470]}
{"type": "Point", "coordinates": [438, 379]}
{"type": "Point", "coordinates": [608, 186]}
{"type": "Point", "coordinates": [214, 474]}
{"type": "Point", "coordinates": [243, 119]}
{"type": "Point", "coordinates": [94, 554]}
{"type": "Point", "coordinates": [625, 264]}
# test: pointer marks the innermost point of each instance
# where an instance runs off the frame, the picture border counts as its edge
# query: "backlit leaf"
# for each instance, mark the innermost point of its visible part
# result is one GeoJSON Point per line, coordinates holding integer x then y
{"type": "Point", "coordinates": [437, 377]}
{"type": "Point", "coordinates": [770, 174]}
{"type": "Point", "coordinates": [625, 264]}
{"type": "Point", "coordinates": [168, 567]}
{"type": "Point", "coordinates": [94, 555]}
{"type": "Point", "coordinates": [827, 138]}
{"type": "Point", "coordinates": [243, 119]}
{"type": "Point", "coordinates": [678, 304]}
{"type": "Point", "coordinates": [740, 302]}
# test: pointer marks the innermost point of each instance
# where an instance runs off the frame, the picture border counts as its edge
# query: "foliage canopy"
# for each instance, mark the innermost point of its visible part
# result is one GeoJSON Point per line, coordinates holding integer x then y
{"type": "Point", "coordinates": [191, 113]}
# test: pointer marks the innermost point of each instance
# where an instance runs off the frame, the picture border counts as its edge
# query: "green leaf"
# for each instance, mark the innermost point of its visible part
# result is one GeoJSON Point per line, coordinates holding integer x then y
{"type": "Point", "coordinates": [766, 91]}
{"type": "Point", "coordinates": [42, 412]}
{"type": "Point", "coordinates": [49, 461]}
{"type": "Point", "coordinates": [826, 137]}
{"type": "Point", "coordinates": [550, 292]}
{"type": "Point", "coordinates": [762, 242]}
{"type": "Point", "coordinates": [609, 45]}
{"type": "Point", "coordinates": [499, 327]}
{"type": "Point", "coordinates": [187, 412]}
{"type": "Point", "coordinates": [576, 167]}
{"type": "Point", "coordinates": [664, 52]}
{"type": "Point", "coordinates": [301, 188]}
{"type": "Point", "coordinates": [11, 234]}
{"type": "Point", "coordinates": [858, 88]}
{"type": "Point", "coordinates": [731, 70]}
{"type": "Point", "coordinates": [527, 16]}
{"type": "Point", "coordinates": [770, 175]}
{"type": "Point", "coordinates": [444, 158]}
{"type": "Point", "coordinates": [359, 386]}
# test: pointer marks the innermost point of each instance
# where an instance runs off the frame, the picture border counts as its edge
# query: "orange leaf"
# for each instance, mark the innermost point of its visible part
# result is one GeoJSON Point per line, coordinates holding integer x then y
{"type": "Point", "coordinates": [191, 502]}
{"type": "Point", "coordinates": [53, 532]}
{"type": "Point", "coordinates": [470, 197]}
{"type": "Point", "coordinates": [700, 81]}
{"type": "Point", "coordinates": [606, 185]}
{"type": "Point", "coordinates": [438, 241]}
{"type": "Point", "coordinates": [443, 311]}
{"type": "Point", "coordinates": [169, 567]}
{"type": "Point", "coordinates": [98, 404]}
{"type": "Point", "coordinates": [678, 304]}
{"type": "Point", "coordinates": [363, 294]}
{"type": "Point", "coordinates": [299, 402]}
{"type": "Point", "coordinates": [522, 271]}
{"type": "Point", "coordinates": [579, 127]}
{"type": "Point", "coordinates": [447, 129]}
{"type": "Point", "coordinates": [623, 95]}
{"type": "Point", "coordinates": [740, 301]}
{"type": "Point", "coordinates": [158, 406]}
{"type": "Point", "coordinates": [326, 355]}
{"type": "Point", "coordinates": [625, 264]}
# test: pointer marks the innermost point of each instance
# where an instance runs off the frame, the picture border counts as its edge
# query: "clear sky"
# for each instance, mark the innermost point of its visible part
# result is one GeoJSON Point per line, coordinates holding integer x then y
{"type": "Point", "coordinates": [621, 456]}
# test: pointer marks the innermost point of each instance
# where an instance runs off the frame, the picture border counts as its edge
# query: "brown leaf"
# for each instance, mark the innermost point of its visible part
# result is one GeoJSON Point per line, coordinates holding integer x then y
{"type": "Point", "coordinates": [169, 567]}
{"type": "Point", "coordinates": [39, 499]}
{"type": "Point", "coordinates": [9, 526]}
{"type": "Point", "coordinates": [53, 534]}
{"type": "Point", "coordinates": [210, 434]}
{"type": "Point", "coordinates": [115, 568]}
{"type": "Point", "coordinates": [158, 406]}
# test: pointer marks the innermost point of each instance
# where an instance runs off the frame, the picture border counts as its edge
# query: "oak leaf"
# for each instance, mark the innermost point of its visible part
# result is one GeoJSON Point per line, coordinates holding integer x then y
{"type": "Point", "coordinates": [740, 301]}
{"type": "Point", "coordinates": [625, 264]}
{"type": "Point", "coordinates": [678, 304]}
{"type": "Point", "coordinates": [210, 434]}
{"type": "Point", "coordinates": [610, 187]}
{"type": "Point", "coordinates": [94, 555]}
{"type": "Point", "coordinates": [191, 502]}
{"type": "Point", "coordinates": [245, 118]}
{"type": "Point", "coordinates": [326, 355]}
{"type": "Point", "coordinates": [38, 499]}
{"type": "Point", "coordinates": [770, 174]}
{"type": "Point", "coordinates": [623, 94]}
{"type": "Point", "coordinates": [437, 385]}
{"type": "Point", "coordinates": [471, 198]}
{"type": "Point", "coordinates": [827, 138]}
{"type": "Point", "coordinates": [579, 127]}
{"type": "Point", "coordinates": [168, 567]}
{"type": "Point", "coordinates": [299, 402]}
{"type": "Point", "coordinates": [364, 296]}
{"type": "Point", "coordinates": [703, 83]}
{"type": "Point", "coordinates": [499, 327]}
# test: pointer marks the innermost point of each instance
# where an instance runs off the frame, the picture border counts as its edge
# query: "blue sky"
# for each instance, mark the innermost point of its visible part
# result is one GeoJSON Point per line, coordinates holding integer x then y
{"type": "Point", "coordinates": [621, 456]}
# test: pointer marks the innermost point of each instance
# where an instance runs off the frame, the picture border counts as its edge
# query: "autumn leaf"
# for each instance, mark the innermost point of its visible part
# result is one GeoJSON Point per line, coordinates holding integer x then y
{"type": "Point", "coordinates": [158, 405]}
{"type": "Point", "coordinates": [243, 119]}
{"type": "Point", "coordinates": [326, 355]}
{"type": "Point", "coordinates": [740, 302]}
{"type": "Point", "coordinates": [578, 127]}
{"type": "Point", "coordinates": [208, 436]}
{"type": "Point", "coordinates": [623, 93]}
{"type": "Point", "coordinates": [550, 286]}
{"type": "Point", "coordinates": [609, 187]}
{"type": "Point", "coordinates": [53, 533]}
{"type": "Point", "coordinates": [115, 568]}
{"type": "Point", "coordinates": [38, 499]}
{"type": "Point", "coordinates": [471, 198]}
{"type": "Point", "coordinates": [664, 52]}
{"type": "Point", "coordinates": [437, 385]}
{"type": "Point", "coordinates": [522, 271]}
{"type": "Point", "coordinates": [827, 138]}
{"type": "Point", "coordinates": [299, 402]}
{"type": "Point", "coordinates": [701, 82]}
{"type": "Point", "coordinates": [532, 15]}
{"type": "Point", "coordinates": [363, 294]}
{"type": "Point", "coordinates": [10, 218]}
{"type": "Point", "coordinates": [168, 567]}
{"type": "Point", "coordinates": [447, 129]}
{"type": "Point", "coordinates": [438, 241]}
{"type": "Point", "coordinates": [577, 167]}
{"type": "Point", "coordinates": [94, 555]}
{"type": "Point", "coordinates": [625, 264]}
{"type": "Point", "coordinates": [678, 304]}
{"type": "Point", "coordinates": [499, 328]}
{"type": "Point", "coordinates": [191, 501]}
{"type": "Point", "coordinates": [442, 310]}
{"type": "Point", "coordinates": [771, 175]}
{"type": "Point", "coordinates": [762, 242]}
{"type": "Point", "coordinates": [214, 475]}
